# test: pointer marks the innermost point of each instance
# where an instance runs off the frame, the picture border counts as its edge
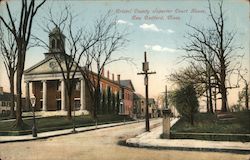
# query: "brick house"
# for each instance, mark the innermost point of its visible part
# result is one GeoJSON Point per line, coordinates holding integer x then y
{"type": "Point", "coordinates": [127, 99]}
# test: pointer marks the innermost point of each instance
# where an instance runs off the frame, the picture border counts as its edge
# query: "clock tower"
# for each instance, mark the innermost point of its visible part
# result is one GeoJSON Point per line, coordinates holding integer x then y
{"type": "Point", "coordinates": [56, 41]}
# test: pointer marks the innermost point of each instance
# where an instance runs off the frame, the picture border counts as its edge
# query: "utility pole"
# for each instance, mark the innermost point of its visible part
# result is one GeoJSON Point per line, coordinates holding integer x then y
{"type": "Point", "coordinates": [145, 69]}
{"type": "Point", "coordinates": [166, 97]}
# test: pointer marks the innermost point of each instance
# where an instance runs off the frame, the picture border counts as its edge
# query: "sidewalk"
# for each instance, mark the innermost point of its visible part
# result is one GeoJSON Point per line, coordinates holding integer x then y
{"type": "Point", "coordinates": [43, 135]}
{"type": "Point", "coordinates": [152, 140]}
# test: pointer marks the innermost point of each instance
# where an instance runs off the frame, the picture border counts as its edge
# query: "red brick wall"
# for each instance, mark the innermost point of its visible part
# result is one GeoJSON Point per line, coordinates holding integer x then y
{"type": "Point", "coordinates": [128, 101]}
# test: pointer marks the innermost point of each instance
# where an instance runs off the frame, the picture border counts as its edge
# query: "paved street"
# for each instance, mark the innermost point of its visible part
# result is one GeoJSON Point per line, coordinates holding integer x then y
{"type": "Point", "coordinates": [102, 145]}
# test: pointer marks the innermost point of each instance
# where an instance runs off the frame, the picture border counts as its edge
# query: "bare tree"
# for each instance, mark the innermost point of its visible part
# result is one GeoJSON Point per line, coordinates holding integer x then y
{"type": "Point", "coordinates": [8, 52]}
{"type": "Point", "coordinates": [199, 77]}
{"type": "Point", "coordinates": [245, 92]}
{"type": "Point", "coordinates": [21, 31]}
{"type": "Point", "coordinates": [218, 42]}
{"type": "Point", "coordinates": [84, 51]}
{"type": "Point", "coordinates": [71, 47]}
{"type": "Point", "coordinates": [101, 54]}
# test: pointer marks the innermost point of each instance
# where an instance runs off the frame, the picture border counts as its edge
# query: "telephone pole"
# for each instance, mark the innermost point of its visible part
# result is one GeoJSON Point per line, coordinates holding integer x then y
{"type": "Point", "coordinates": [166, 97]}
{"type": "Point", "coordinates": [145, 69]}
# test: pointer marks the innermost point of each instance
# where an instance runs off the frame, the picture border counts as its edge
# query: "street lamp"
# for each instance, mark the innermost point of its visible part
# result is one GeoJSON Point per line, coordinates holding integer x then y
{"type": "Point", "coordinates": [33, 103]}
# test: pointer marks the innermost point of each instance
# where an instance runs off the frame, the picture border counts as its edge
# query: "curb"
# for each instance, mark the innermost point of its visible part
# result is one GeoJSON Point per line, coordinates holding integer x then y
{"type": "Point", "coordinates": [70, 132]}
{"type": "Point", "coordinates": [237, 151]}
{"type": "Point", "coordinates": [147, 140]}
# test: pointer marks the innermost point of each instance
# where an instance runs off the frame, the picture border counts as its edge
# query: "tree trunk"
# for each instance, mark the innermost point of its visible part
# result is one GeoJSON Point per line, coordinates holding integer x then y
{"type": "Point", "coordinates": [12, 112]}
{"type": "Point", "coordinates": [223, 88]}
{"type": "Point", "coordinates": [95, 107]}
{"type": "Point", "coordinates": [19, 121]}
{"type": "Point", "coordinates": [210, 95]}
{"type": "Point", "coordinates": [97, 104]}
{"type": "Point", "coordinates": [246, 97]}
{"type": "Point", "coordinates": [69, 101]}
{"type": "Point", "coordinates": [223, 99]}
{"type": "Point", "coordinates": [215, 100]}
{"type": "Point", "coordinates": [207, 97]}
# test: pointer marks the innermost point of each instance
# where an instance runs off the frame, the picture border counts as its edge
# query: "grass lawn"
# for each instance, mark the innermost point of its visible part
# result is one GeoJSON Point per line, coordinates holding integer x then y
{"type": "Point", "coordinates": [209, 123]}
{"type": "Point", "coordinates": [210, 127]}
{"type": "Point", "coordinates": [57, 123]}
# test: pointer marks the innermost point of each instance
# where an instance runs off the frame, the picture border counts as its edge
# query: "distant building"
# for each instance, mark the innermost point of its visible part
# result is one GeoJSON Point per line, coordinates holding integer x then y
{"type": "Point", "coordinates": [5, 102]}
{"type": "Point", "coordinates": [127, 99]}
{"type": "Point", "coordinates": [139, 105]}
{"type": "Point", "coordinates": [153, 110]}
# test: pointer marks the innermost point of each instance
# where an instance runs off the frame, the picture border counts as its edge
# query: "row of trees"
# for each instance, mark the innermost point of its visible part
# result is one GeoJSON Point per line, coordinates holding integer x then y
{"type": "Point", "coordinates": [213, 58]}
{"type": "Point", "coordinates": [79, 46]}
{"type": "Point", "coordinates": [109, 103]}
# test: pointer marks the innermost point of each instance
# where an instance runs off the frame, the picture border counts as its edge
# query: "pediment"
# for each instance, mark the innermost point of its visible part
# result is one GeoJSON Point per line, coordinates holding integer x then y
{"type": "Point", "coordinates": [48, 65]}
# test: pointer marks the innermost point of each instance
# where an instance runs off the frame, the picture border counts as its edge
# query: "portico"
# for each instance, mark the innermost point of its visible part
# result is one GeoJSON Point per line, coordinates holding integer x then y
{"type": "Point", "coordinates": [50, 91]}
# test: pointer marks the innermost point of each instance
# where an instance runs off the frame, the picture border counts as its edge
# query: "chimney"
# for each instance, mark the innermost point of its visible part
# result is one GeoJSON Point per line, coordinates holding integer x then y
{"type": "Point", "coordinates": [113, 77]}
{"type": "Point", "coordinates": [108, 74]}
{"type": "Point", "coordinates": [118, 78]}
{"type": "Point", "coordinates": [1, 90]}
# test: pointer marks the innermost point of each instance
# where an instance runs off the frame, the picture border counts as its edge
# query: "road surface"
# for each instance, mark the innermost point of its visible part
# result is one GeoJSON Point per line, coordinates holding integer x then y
{"type": "Point", "coordinates": [101, 145]}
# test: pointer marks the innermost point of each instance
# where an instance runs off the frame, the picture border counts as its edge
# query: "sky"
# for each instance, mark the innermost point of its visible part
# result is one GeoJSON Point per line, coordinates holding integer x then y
{"type": "Point", "coordinates": [157, 27]}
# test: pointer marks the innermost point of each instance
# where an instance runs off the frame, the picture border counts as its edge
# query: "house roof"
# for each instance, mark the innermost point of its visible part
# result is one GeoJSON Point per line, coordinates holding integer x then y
{"type": "Point", "coordinates": [127, 84]}
{"type": "Point", "coordinates": [138, 96]}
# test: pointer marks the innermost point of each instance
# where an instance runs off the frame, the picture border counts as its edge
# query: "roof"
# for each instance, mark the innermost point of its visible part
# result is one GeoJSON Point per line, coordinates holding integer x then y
{"type": "Point", "coordinates": [48, 65]}
{"type": "Point", "coordinates": [127, 84]}
{"type": "Point", "coordinates": [151, 101]}
{"type": "Point", "coordinates": [138, 96]}
{"type": "Point", "coordinates": [57, 31]}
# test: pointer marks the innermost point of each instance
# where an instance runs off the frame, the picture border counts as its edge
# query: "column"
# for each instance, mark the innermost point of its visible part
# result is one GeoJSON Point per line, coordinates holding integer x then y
{"type": "Point", "coordinates": [62, 95]}
{"type": "Point", "coordinates": [166, 123]}
{"type": "Point", "coordinates": [44, 95]}
{"type": "Point", "coordinates": [27, 93]}
{"type": "Point", "coordinates": [82, 96]}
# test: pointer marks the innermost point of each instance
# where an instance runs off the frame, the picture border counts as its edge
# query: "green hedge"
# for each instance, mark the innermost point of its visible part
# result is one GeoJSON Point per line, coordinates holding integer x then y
{"type": "Point", "coordinates": [58, 123]}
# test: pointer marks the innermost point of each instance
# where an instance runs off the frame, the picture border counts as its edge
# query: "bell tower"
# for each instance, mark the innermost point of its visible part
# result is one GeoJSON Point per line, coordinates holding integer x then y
{"type": "Point", "coordinates": [56, 40]}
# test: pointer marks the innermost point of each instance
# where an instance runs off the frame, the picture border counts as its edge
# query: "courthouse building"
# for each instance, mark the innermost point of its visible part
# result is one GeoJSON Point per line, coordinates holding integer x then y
{"type": "Point", "coordinates": [46, 82]}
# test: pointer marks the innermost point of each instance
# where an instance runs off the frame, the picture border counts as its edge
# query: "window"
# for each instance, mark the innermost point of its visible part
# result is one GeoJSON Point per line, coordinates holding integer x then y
{"type": "Point", "coordinates": [77, 105]}
{"type": "Point", "coordinates": [41, 86]}
{"type": "Point", "coordinates": [58, 105]}
{"type": "Point", "coordinates": [123, 93]}
{"type": "Point", "coordinates": [53, 43]}
{"type": "Point", "coordinates": [58, 85]}
{"type": "Point", "coordinates": [78, 84]}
